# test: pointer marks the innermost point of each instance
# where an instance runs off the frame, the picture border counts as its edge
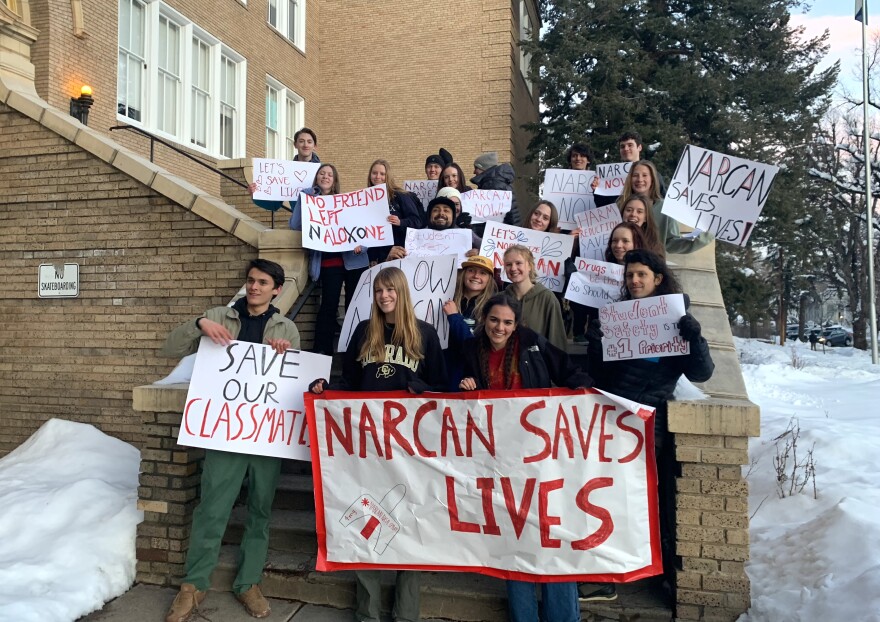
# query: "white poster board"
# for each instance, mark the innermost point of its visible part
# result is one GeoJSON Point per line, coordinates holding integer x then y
{"type": "Point", "coordinates": [550, 251]}
{"type": "Point", "coordinates": [431, 283]}
{"type": "Point", "coordinates": [596, 283]}
{"type": "Point", "coordinates": [596, 226]}
{"type": "Point", "coordinates": [486, 205]}
{"type": "Point", "coordinates": [430, 243]}
{"type": "Point", "coordinates": [425, 189]}
{"type": "Point", "coordinates": [532, 485]}
{"type": "Point", "coordinates": [570, 191]}
{"type": "Point", "coordinates": [342, 222]}
{"type": "Point", "coordinates": [644, 328]}
{"type": "Point", "coordinates": [282, 180]}
{"type": "Point", "coordinates": [246, 398]}
{"type": "Point", "coordinates": [612, 178]}
{"type": "Point", "coordinates": [718, 193]}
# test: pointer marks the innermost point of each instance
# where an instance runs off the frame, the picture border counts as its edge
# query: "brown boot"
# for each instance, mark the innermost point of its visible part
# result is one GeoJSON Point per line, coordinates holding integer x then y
{"type": "Point", "coordinates": [185, 603]}
{"type": "Point", "coordinates": [254, 602]}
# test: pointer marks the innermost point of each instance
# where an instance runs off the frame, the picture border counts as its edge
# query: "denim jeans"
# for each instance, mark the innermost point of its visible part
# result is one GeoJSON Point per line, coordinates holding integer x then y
{"type": "Point", "coordinates": [559, 602]}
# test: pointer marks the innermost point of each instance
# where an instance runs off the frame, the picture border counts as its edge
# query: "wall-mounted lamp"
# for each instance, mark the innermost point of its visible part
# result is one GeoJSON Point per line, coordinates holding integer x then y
{"type": "Point", "coordinates": [79, 106]}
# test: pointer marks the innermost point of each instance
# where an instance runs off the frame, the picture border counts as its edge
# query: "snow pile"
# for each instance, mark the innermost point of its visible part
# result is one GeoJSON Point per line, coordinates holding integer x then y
{"type": "Point", "coordinates": [815, 560]}
{"type": "Point", "coordinates": [67, 523]}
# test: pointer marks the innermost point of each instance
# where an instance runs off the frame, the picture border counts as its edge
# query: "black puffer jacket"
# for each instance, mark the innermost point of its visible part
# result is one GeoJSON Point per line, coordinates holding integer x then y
{"type": "Point", "coordinates": [541, 364]}
{"type": "Point", "coordinates": [500, 177]}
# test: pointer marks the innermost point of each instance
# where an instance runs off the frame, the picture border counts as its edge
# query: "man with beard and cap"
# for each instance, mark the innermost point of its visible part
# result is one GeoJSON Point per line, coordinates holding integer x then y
{"type": "Point", "coordinates": [441, 216]}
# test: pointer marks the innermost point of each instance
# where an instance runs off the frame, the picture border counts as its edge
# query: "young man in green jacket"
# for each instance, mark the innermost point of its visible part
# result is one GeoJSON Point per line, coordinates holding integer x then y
{"type": "Point", "coordinates": [252, 319]}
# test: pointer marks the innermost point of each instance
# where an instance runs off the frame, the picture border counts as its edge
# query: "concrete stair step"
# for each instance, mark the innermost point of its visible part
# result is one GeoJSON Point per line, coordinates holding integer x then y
{"type": "Point", "coordinates": [290, 531]}
{"type": "Point", "coordinates": [294, 492]}
{"type": "Point", "coordinates": [464, 597]}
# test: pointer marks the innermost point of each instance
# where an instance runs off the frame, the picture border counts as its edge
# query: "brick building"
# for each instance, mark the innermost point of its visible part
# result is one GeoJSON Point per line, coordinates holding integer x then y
{"type": "Point", "coordinates": [158, 242]}
{"type": "Point", "coordinates": [236, 78]}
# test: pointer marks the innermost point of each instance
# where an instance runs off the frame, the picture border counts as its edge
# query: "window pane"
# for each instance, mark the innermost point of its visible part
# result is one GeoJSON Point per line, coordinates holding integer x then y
{"type": "Point", "coordinates": [273, 12]}
{"type": "Point", "coordinates": [124, 24]}
{"type": "Point", "coordinates": [291, 19]}
{"type": "Point", "coordinates": [137, 28]}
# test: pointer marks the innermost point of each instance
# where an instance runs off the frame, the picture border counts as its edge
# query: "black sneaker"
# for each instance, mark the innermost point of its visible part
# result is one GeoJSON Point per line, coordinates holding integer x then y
{"type": "Point", "coordinates": [592, 592]}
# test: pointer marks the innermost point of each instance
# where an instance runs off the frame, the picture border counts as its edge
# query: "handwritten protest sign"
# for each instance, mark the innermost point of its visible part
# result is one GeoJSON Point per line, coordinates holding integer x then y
{"type": "Point", "coordinates": [550, 251]}
{"type": "Point", "coordinates": [595, 284]}
{"type": "Point", "coordinates": [612, 178]}
{"type": "Point", "coordinates": [570, 191]}
{"type": "Point", "coordinates": [431, 283]}
{"type": "Point", "coordinates": [484, 205]}
{"type": "Point", "coordinates": [341, 222]}
{"type": "Point", "coordinates": [282, 180]}
{"type": "Point", "coordinates": [425, 189]}
{"type": "Point", "coordinates": [718, 193]}
{"type": "Point", "coordinates": [246, 398]}
{"type": "Point", "coordinates": [541, 485]}
{"type": "Point", "coordinates": [430, 243]}
{"type": "Point", "coordinates": [644, 328]}
{"type": "Point", "coordinates": [596, 226]}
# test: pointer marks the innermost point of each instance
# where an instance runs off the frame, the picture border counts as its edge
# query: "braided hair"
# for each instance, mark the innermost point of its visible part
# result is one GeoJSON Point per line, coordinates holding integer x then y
{"type": "Point", "coordinates": [511, 348]}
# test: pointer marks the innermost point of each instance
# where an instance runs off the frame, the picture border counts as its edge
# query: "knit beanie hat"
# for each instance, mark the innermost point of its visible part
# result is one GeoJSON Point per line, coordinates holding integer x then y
{"type": "Point", "coordinates": [434, 159]}
{"type": "Point", "coordinates": [449, 191]}
{"type": "Point", "coordinates": [486, 161]}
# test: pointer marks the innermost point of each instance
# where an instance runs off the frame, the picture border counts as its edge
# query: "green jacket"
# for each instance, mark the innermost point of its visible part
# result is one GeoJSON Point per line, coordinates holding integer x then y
{"type": "Point", "coordinates": [541, 312]}
{"type": "Point", "coordinates": [184, 339]}
{"type": "Point", "coordinates": [670, 235]}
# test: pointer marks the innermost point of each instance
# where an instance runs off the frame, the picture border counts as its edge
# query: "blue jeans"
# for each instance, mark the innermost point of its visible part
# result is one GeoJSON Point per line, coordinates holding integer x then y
{"type": "Point", "coordinates": [559, 602]}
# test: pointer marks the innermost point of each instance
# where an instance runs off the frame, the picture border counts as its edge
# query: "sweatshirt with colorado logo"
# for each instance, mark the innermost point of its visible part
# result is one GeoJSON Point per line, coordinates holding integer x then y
{"type": "Point", "coordinates": [397, 372]}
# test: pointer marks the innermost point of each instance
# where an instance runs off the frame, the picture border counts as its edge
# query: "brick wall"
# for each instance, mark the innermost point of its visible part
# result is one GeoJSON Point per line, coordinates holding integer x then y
{"type": "Point", "coordinates": [145, 265]}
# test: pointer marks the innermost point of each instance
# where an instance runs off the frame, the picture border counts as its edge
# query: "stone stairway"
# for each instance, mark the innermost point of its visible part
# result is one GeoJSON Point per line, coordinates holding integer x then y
{"type": "Point", "coordinates": [290, 570]}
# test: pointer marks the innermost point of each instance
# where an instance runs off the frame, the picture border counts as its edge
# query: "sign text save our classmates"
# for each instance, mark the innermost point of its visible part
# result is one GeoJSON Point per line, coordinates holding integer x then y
{"type": "Point", "coordinates": [247, 398]}
{"type": "Point", "coordinates": [342, 222]}
{"type": "Point", "coordinates": [718, 193]}
{"type": "Point", "coordinates": [541, 485]}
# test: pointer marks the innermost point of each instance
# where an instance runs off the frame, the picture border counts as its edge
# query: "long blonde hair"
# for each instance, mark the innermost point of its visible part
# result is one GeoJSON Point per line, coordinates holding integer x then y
{"type": "Point", "coordinates": [482, 297]}
{"type": "Point", "coordinates": [527, 255]}
{"type": "Point", "coordinates": [393, 187]}
{"type": "Point", "coordinates": [654, 195]}
{"type": "Point", "coordinates": [406, 332]}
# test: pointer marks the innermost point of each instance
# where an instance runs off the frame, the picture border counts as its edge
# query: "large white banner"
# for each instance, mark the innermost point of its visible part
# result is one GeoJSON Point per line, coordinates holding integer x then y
{"type": "Point", "coordinates": [486, 205]}
{"type": "Point", "coordinates": [342, 222]}
{"type": "Point", "coordinates": [431, 283]}
{"type": "Point", "coordinates": [643, 328]}
{"type": "Point", "coordinates": [596, 226]}
{"type": "Point", "coordinates": [550, 251]}
{"type": "Point", "coordinates": [542, 485]}
{"type": "Point", "coordinates": [612, 178]}
{"type": "Point", "coordinates": [282, 180]}
{"type": "Point", "coordinates": [596, 283]}
{"type": "Point", "coordinates": [425, 189]}
{"type": "Point", "coordinates": [570, 191]}
{"type": "Point", "coordinates": [430, 243]}
{"type": "Point", "coordinates": [718, 193]}
{"type": "Point", "coordinates": [246, 398]}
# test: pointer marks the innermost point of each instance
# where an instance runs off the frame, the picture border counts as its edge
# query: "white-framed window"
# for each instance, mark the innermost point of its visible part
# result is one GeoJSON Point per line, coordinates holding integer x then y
{"type": "Point", "coordinates": [177, 80]}
{"type": "Point", "coordinates": [132, 59]}
{"type": "Point", "coordinates": [284, 116]}
{"type": "Point", "coordinates": [526, 31]}
{"type": "Point", "coordinates": [288, 17]}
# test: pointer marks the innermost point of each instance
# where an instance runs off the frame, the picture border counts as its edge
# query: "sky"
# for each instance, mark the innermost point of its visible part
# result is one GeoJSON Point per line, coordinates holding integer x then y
{"type": "Point", "coordinates": [837, 16]}
{"type": "Point", "coordinates": [68, 517]}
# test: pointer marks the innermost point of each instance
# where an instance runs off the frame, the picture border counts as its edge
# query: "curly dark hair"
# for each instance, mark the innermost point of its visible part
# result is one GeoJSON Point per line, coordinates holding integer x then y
{"type": "Point", "coordinates": [656, 264]}
{"type": "Point", "coordinates": [511, 349]}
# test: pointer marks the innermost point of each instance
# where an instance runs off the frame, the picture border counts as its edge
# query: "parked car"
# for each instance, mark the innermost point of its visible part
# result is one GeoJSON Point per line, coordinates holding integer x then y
{"type": "Point", "coordinates": [836, 336]}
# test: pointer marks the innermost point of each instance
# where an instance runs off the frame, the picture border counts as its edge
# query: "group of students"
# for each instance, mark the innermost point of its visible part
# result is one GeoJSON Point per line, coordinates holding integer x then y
{"type": "Point", "coordinates": [500, 339]}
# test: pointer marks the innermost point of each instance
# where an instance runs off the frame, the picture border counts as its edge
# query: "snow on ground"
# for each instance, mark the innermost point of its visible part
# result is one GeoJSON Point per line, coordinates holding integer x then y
{"type": "Point", "coordinates": [68, 517]}
{"type": "Point", "coordinates": [815, 559]}
{"type": "Point", "coordinates": [67, 523]}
